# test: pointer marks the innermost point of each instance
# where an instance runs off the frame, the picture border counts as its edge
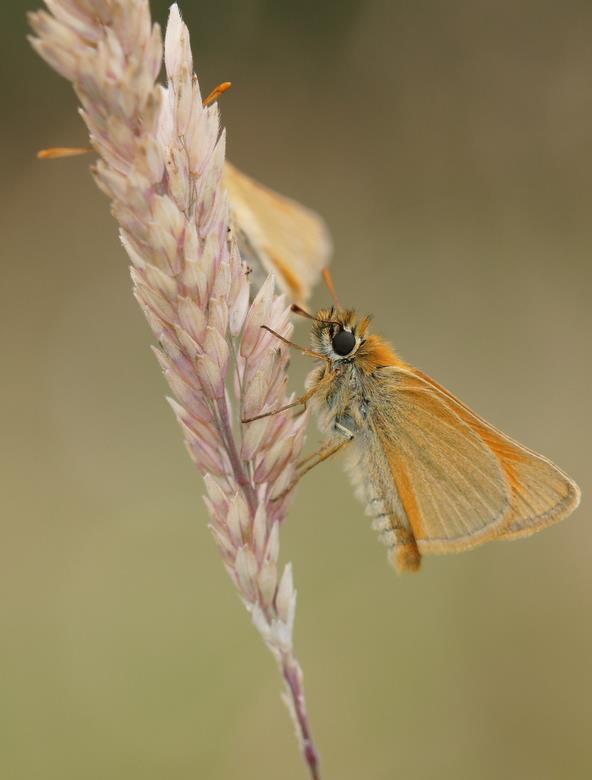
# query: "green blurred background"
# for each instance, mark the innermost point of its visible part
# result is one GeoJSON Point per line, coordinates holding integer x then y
{"type": "Point", "coordinates": [449, 147]}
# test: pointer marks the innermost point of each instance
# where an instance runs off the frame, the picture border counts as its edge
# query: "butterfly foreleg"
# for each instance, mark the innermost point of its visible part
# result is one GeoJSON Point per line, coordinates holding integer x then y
{"type": "Point", "coordinates": [304, 350]}
{"type": "Point", "coordinates": [303, 399]}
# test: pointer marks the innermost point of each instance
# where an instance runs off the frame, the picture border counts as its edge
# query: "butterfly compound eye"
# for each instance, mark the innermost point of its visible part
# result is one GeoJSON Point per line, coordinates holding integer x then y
{"type": "Point", "coordinates": [343, 342]}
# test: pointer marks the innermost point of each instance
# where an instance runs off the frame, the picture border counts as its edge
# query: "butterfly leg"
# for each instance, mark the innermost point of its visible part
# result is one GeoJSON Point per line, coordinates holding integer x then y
{"type": "Point", "coordinates": [317, 457]}
{"type": "Point", "coordinates": [303, 399]}
{"type": "Point", "coordinates": [304, 350]}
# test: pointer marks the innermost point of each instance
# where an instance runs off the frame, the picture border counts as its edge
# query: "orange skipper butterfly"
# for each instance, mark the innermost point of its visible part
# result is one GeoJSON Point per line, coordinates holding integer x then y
{"type": "Point", "coordinates": [435, 477]}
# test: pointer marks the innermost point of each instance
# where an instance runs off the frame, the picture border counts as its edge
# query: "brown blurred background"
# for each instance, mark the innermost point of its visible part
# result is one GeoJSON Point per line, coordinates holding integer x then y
{"type": "Point", "coordinates": [449, 147]}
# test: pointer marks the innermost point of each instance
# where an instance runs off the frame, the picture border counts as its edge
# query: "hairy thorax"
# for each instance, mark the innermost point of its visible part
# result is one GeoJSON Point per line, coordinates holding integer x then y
{"type": "Point", "coordinates": [342, 407]}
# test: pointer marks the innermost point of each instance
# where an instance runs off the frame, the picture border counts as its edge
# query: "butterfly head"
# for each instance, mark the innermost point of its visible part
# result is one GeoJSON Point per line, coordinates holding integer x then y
{"type": "Point", "coordinates": [339, 334]}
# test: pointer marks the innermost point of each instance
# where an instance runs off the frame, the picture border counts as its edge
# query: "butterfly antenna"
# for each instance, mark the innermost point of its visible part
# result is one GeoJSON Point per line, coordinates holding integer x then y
{"type": "Point", "coordinates": [215, 93]}
{"type": "Point", "coordinates": [63, 151]}
{"type": "Point", "coordinates": [331, 287]}
{"type": "Point", "coordinates": [299, 310]}
{"type": "Point", "coordinates": [55, 152]}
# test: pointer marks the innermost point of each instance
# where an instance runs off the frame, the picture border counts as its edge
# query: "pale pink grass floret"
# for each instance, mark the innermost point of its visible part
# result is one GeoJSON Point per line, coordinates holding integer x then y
{"type": "Point", "coordinates": [161, 157]}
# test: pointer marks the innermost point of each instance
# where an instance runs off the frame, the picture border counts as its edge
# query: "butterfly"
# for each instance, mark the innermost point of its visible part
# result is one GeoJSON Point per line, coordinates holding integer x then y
{"type": "Point", "coordinates": [435, 477]}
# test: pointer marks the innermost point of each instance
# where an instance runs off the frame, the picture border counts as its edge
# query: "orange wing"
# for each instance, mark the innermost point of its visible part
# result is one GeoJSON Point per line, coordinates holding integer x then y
{"type": "Point", "coordinates": [541, 493]}
{"type": "Point", "coordinates": [461, 482]}
{"type": "Point", "coordinates": [277, 234]}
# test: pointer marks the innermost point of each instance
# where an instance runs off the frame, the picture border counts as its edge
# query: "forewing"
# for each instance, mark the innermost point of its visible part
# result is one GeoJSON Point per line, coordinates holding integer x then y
{"type": "Point", "coordinates": [450, 484]}
{"type": "Point", "coordinates": [277, 233]}
{"type": "Point", "coordinates": [541, 493]}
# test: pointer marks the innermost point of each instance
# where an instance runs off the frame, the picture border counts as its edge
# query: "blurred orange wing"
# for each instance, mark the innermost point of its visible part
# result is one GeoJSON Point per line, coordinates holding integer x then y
{"type": "Point", "coordinates": [277, 234]}
{"type": "Point", "coordinates": [459, 480]}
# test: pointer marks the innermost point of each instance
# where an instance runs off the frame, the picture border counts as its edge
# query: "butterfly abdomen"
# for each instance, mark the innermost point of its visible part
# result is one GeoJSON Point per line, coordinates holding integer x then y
{"type": "Point", "coordinates": [401, 546]}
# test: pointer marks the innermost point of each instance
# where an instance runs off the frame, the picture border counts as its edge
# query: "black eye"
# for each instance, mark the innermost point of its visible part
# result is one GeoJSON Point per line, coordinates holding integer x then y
{"type": "Point", "coordinates": [343, 342]}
